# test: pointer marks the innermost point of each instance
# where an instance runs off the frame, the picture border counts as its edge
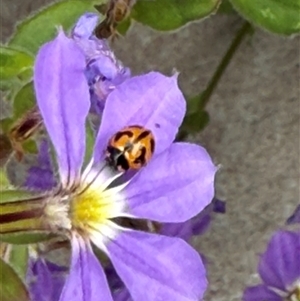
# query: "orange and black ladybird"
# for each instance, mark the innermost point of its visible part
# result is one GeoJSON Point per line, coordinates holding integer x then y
{"type": "Point", "coordinates": [130, 148]}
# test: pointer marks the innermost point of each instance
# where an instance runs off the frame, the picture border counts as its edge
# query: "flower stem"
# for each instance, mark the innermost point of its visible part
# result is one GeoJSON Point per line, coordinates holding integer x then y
{"type": "Point", "coordinates": [236, 42]}
{"type": "Point", "coordinates": [204, 97]}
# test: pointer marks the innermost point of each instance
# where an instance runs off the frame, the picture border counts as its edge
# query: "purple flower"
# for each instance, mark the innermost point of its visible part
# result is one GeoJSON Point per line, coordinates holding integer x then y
{"type": "Point", "coordinates": [295, 217]}
{"type": "Point", "coordinates": [104, 72]}
{"type": "Point", "coordinates": [195, 226]}
{"type": "Point", "coordinates": [185, 230]}
{"type": "Point", "coordinates": [45, 280]}
{"type": "Point", "coordinates": [279, 268]}
{"type": "Point", "coordinates": [176, 185]}
{"type": "Point", "coordinates": [40, 176]}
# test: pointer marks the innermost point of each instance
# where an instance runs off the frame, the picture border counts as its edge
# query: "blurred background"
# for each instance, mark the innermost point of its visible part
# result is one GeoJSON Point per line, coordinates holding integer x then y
{"type": "Point", "coordinates": [253, 133]}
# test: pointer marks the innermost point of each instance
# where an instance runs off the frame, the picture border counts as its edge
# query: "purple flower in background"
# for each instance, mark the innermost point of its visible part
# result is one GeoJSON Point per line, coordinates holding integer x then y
{"type": "Point", "coordinates": [279, 269]}
{"type": "Point", "coordinates": [295, 217]}
{"type": "Point", "coordinates": [44, 279]}
{"type": "Point", "coordinates": [176, 185]}
{"type": "Point", "coordinates": [41, 170]}
{"type": "Point", "coordinates": [103, 71]}
{"type": "Point", "coordinates": [195, 226]}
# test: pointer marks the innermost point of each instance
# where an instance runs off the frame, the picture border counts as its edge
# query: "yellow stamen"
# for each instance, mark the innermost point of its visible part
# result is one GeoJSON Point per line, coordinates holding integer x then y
{"type": "Point", "coordinates": [91, 206]}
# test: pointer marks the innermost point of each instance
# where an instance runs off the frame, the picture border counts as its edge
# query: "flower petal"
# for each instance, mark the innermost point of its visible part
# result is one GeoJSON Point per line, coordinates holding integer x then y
{"type": "Point", "coordinates": [186, 230]}
{"type": "Point", "coordinates": [219, 206]}
{"type": "Point", "coordinates": [87, 280]}
{"type": "Point", "coordinates": [104, 73]}
{"type": "Point", "coordinates": [122, 295]}
{"type": "Point", "coordinates": [152, 100]}
{"type": "Point", "coordinates": [85, 26]}
{"type": "Point", "coordinates": [201, 224]}
{"type": "Point", "coordinates": [45, 280]}
{"type": "Point", "coordinates": [118, 289]}
{"type": "Point", "coordinates": [180, 182]}
{"type": "Point", "coordinates": [279, 266]}
{"type": "Point", "coordinates": [156, 267]}
{"type": "Point", "coordinates": [64, 101]}
{"type": "Point", "coordinates": [182, 230]}
{"type": "Point", "coordinates": [260, 293]}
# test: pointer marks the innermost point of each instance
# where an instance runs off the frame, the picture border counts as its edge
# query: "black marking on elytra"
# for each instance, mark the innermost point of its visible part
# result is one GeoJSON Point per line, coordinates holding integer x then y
{"type": "Point", "coordinates": [121, 134]}
{"type": "Point", "coordinates": [141, 159]}
{"type": "Point", "coordinates": [141, 136]}
{"type": "Point", "coordinates": [152, 145]}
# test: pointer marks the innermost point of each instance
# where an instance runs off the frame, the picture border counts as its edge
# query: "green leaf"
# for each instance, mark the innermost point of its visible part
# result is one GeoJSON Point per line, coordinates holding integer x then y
{"type": "Point", "coordinates": [11, 286]}
{"type": "Point", "coordinates": [24, 101]}
{"type": "Point", "coordinates": [278, 16]}
{"type": "Point", "coordinates": [172, 14]}
{"type": "Point", "coordinates": [14, 62]}
{"type": "Point", "coordinates": [42, 27]}
{"type": "Point", "coordinates": [18, 259]}
{"type": "Point", "coordinates": [9, 88]}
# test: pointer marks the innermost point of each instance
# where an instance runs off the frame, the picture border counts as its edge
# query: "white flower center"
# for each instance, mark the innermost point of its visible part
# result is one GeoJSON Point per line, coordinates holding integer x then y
{"type": "Point", "coordinates": [295, 292]}
{"type": "Point", "coordinates": [94, 203]}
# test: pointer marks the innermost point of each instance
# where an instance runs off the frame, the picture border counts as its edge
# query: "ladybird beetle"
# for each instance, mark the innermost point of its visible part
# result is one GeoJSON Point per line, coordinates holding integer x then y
{"type": "Point", "coordinates": [132, 147]}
